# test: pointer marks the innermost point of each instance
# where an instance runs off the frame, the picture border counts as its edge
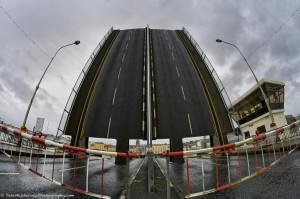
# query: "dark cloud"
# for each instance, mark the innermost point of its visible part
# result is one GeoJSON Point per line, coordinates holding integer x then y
{"type": "Point", "coordinates": [54, 23]}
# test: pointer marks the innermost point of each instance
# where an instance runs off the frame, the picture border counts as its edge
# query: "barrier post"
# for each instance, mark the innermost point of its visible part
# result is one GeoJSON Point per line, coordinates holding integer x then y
{"type": "Point", "coordinates": [10, 146]}
{"type": "Point", "coordinates": [127, 176]}
{"type": "Point", "coordinates": [217, 170]}
{"type": "Point", "coordinates": [202, 173]}
{"type": "Point", "coordinates": [63, 166]}
{"type": "Point", "coordinates": [168, 175]}
{"type": "Point", "coordinates": [188, 176]}
{"type": "Point", "coordinates": [25, 151]}
{"type": "Point", "coordinates": [262, 154]}
{"type": "Point", "coordinates": [102, 176]}
{"type": "Point", "coordinates": [53, 164]}
{"type": "Point", "coordinates": [278, 148]}
{"type": "Point", "coordinates": [20, 150]}
{"type": "Point", "coordinates": [228, 167]}
{"type": "Point", "coordinates": [74, 171]}
{"type": "Point", "coordinates": [37, 160]}
{"type": "Point", "coordinates": [269, 152]}
{"type": "Point", "coordinates": [45, 161]}
{"type": "Point", "coordinates": [274, 152]}
{"type": "Point", "coordinates": [30, 154]}
{"type": "Point", "coordinates": [255, 158]}
{"type": "Point", "coordinates": [239, 164]}
{"type": "Point", "coordinates": [87, 175]}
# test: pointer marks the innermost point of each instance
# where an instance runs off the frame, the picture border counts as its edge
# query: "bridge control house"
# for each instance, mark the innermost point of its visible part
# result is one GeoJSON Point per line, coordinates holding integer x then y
{"type": "Point", "coordinates": [251, 111]}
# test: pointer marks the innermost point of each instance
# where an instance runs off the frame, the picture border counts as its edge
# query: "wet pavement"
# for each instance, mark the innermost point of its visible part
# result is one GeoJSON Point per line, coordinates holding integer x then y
{"type": "Point", "coordinates": [29, 183]}
{"type": "Point", "coordinates": [139, 188]}
{"type": "Point", "coordinates": [280, 181]}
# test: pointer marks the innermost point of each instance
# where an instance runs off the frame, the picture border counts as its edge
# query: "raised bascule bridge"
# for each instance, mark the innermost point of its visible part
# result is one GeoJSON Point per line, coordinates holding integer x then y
{"type": "Point", "coordinates": [155, 84]}
{"type": "Point", "coordinates": [111, 100]}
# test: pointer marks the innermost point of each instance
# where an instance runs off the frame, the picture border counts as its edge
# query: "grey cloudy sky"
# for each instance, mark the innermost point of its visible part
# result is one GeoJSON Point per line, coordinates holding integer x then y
{"type": "Point", "coordinates": [53, 23]}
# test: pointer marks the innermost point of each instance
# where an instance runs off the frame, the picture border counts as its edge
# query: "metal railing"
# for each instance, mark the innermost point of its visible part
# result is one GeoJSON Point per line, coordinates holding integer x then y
{"type": "Point", "coordinates": [213, 168]}
{"type": "Point", "coordinates": [49, 160]}
{"type": "Point", "coordinates": [224, 166]}
{"type": "Point", "coordinates": [212, 72]}
{"type": "Point", "coordinates": [69, 105]}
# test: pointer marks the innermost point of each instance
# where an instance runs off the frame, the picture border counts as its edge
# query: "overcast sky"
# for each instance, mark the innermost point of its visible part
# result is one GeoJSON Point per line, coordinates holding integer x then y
{"type": "Point", "coordinates": [53, 23]}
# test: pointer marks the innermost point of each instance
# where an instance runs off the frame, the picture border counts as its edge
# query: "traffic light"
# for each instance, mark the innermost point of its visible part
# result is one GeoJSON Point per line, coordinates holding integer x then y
{"type": "Point", "coordinates": [40, 134]}
{"type": "Point", "coordinates": [257, 132]}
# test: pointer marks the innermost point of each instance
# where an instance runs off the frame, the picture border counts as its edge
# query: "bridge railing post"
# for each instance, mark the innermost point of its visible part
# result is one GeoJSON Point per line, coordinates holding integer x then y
{"type": "Point", "coordinates": [168, 175]}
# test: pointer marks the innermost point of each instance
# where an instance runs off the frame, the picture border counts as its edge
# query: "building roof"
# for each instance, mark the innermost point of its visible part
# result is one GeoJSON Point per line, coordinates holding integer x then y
{"type": "Point", "coordinates": [254, 88]}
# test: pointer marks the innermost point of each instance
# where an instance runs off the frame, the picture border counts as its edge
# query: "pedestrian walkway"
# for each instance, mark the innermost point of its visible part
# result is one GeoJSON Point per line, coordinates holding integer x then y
{"type": "Point", "coordinates": [139, 186]}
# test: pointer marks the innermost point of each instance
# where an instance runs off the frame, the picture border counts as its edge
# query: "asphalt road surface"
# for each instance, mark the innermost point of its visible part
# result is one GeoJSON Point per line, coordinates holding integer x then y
{"type": "Point", "coordinates": [17, 180]}
{"type": "Point", "coordinates": [182, 108]}
{"type": "Point", "coordinates": [280, 181]}
{"type": "Point", "coordinates": [115, 110]}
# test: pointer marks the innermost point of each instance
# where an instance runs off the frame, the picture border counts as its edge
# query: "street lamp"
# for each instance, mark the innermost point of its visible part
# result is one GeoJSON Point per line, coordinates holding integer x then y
{"type": "Point", "coordinates": [262, 92]}
{"type": "Point", "coordinates": [23, 127]}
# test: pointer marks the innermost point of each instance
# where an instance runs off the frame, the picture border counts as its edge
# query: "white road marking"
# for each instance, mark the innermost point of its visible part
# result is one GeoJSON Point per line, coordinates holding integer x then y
{"type": "Point", "coordinates": [123, 57]}
{"type": "Point", "coordinates": [114, 96]}
{"type": "Point", "coordinates": [166, 38]}
{"type": "Point", "coordinates": [169, 46]}
{"type": "Point", "coordinates": [9, 173]}
{"type": "Point", "coordinates": [155, 134]}
{"type": "Point", "coordinates": [73, 168]}
{"type": "Point", "coordinates": [129, 37]}
{"type": "Point", "coordinates": [183, 92]}
{"type": "Point", "coordinates": [108, 127]}
{"type": "Point", "coordinates": [119, 73]}
{"type": "Point", "coordinates": [173, 56]}
{"type": "Point", "coordinates": [177, 72]}
{"type": "Point", "coordinates": [190, 124]}
{"type": "Point", "coordinates": [143, 91]}
{"type": "Point", "coordinates": [154, 113]}
{"type": "Point", "coordinates": [126, 46]}
{"type": "Point", "coordinates": [153, 96]}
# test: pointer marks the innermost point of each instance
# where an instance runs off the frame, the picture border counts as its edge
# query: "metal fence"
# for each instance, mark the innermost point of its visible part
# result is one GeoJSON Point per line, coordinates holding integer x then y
{"type": "Point", "coordinates": [220, 167]}
{"type": "Point", "coordinates": [62, 164]}
{"type": "Point", "coordinates": [65, 116]}
{"type": "Point", "coordinates": [212, 168]}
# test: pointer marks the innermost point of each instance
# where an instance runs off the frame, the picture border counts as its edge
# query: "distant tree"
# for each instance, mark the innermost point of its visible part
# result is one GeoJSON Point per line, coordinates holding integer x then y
{"type": "Point", "coordinates": [289, 118]}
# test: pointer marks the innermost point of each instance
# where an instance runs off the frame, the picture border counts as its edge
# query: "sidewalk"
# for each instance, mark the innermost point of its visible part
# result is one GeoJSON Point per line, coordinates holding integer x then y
{"type": "Point", "coordinates": [139, 186]}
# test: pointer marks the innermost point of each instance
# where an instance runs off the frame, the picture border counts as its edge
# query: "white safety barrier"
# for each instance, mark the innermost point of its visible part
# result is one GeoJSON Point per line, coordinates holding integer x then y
{"type": "Point", "coordinates": [266, 149]}
{"type": "Point", "coordinates": [219, 167]}
{"type": "Point", "coordinates": [33, 154]}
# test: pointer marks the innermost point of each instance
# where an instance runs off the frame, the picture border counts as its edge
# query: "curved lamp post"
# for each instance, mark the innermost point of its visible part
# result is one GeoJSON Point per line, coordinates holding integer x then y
{"type": "Point", "coordinates": [263, 93]}
{"type": "Point", "coordinates": [23, 127]}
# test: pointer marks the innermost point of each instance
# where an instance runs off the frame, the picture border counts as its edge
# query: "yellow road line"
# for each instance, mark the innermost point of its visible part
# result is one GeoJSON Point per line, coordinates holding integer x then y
{"type": "Point", "coordinates": [94, 88]}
